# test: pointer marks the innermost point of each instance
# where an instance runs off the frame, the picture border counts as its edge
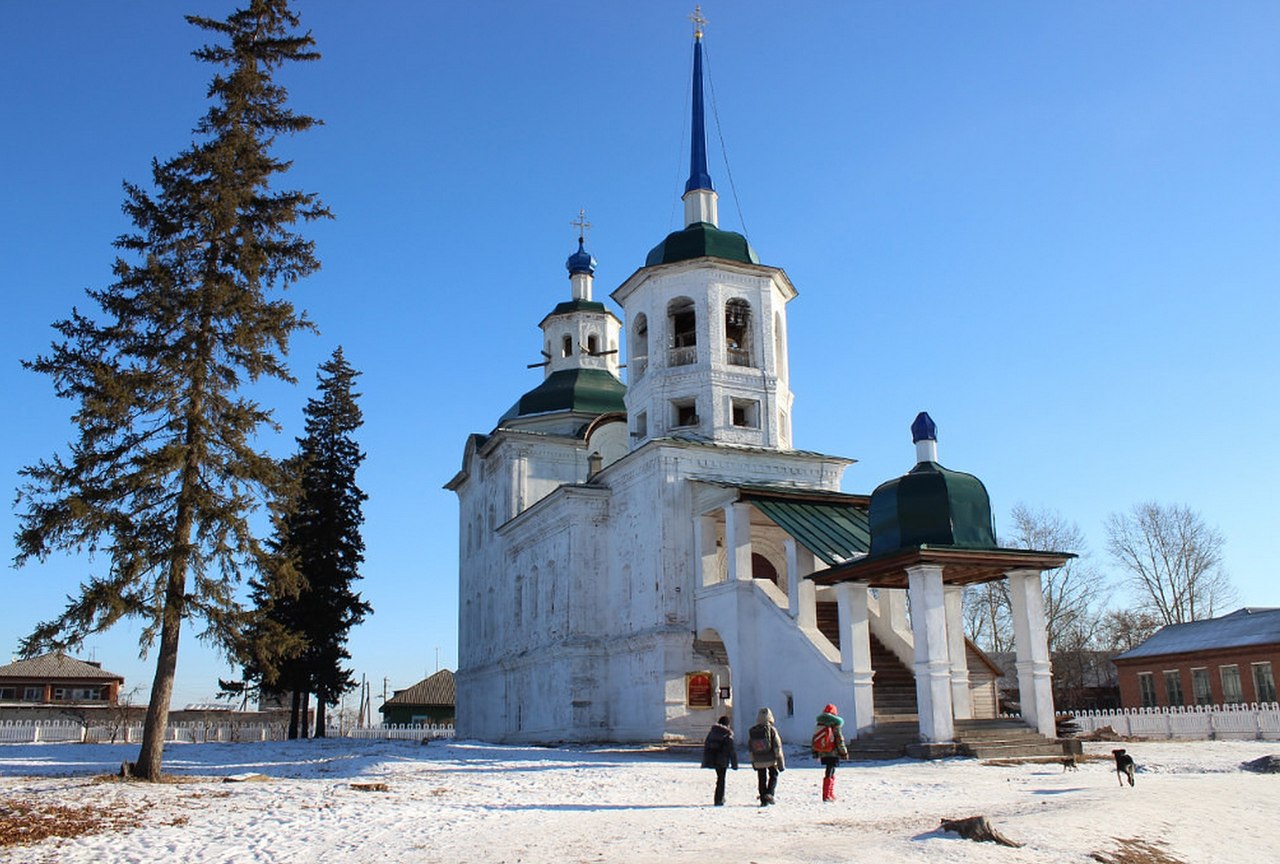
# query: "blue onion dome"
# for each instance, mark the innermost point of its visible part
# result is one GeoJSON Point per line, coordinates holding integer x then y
{"type": "Point", "coordinates": [930, 506]}
{"type": "Point", "coordinates": [581, 261]}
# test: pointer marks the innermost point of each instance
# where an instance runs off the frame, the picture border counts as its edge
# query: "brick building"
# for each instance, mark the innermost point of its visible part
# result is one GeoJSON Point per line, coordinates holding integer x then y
{"type": "Point", "coordinates": [1218, 661]}
{"type": "Point", "coordinates": [56, 679]}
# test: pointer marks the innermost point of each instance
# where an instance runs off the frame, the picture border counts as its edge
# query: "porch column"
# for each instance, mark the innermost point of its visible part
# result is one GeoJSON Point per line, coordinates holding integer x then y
{"type": "Point", "coordinates": [1031, 646]}
{"type": "Point", "coordinates": [704, 539]}
{"type": "Point", "coordinates": [801, 592]}
{"type": "Point", "coordinates": [961, 697]}
{"type": "Point", "coordinates": [737, 540]}
{"type": "Point", "coordinates": [855, 648]}
{"type": "Point", "coordinates": [932, 668]}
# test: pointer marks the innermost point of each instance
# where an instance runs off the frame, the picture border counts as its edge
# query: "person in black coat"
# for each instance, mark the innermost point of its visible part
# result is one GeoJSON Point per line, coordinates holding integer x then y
{"type": "Point", "coordinates": [719, 752]}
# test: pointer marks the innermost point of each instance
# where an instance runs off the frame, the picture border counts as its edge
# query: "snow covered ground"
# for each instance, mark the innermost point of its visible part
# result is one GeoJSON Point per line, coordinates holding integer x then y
{"type": "Point", "coordinates": [471, 802]}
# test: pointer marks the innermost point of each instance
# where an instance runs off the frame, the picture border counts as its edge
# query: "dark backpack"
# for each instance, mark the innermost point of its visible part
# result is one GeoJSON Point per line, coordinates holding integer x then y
{"type": "Point", "coordinates": [758, 739]}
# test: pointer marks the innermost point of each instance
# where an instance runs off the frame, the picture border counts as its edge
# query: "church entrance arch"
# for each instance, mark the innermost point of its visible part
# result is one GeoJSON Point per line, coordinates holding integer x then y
{"type": "Point", "coordinates": [711, 655]}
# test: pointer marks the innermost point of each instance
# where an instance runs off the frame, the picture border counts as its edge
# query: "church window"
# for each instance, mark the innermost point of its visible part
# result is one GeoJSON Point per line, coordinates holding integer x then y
{"type": "Point", "coordinates": [593, 345]}
{"type": "Point", "coordinates": [682, 332]}
{"type": "Point", "coordinates": [737, 332]}
{"type": "Point", "coordinates": [745, 413]}
{"type": "Point", "coordinates": [684, 412]}
{"type": "Point", "coordinates": [639, 357]}
{"type": "Point", "coordinates": [566, 347]}
{"type": "Point", "coordinates": [642, 425]}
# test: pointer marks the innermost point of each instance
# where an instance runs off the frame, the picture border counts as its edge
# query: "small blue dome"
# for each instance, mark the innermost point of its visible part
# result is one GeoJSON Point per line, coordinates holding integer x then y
{"type": "Point", "coordinates": [924, 429]}
{"type": "Point", "coordinates": [581, 261]}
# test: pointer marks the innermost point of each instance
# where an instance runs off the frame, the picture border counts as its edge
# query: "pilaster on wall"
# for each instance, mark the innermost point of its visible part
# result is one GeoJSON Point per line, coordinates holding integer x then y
{"type": "Point", "coordinates": [961, 696]}
{"type": "Point", "coordinates": [802, 602]}
{"type": "Point", "coordinates": [737, 520]}
{"type": "Point", "coordinates": [932, 666]}
{"type": "Point", "coordinates": [704, 539]}
{"type": "Point", "coordinates": [1031, 647]}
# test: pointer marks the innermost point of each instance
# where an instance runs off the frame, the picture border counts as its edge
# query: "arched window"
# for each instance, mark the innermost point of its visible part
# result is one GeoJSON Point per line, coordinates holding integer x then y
{"type": "Point", "coordinates": [762, 568]}
{"type": "Point", "coordinates": [737, 332]}
{"type": "Point", "coordinates": [593, 345]}
{"type": "Point", "coordinates": [566, 347]}
{"type": "Point", "coordinates": [682, 332]}
{"type": "Point", "coordinates": [639, 353]}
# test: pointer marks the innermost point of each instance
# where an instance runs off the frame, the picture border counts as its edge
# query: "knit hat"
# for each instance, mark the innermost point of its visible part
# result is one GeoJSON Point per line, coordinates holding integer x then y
{"type": "Point", "coordinates": [830, 709]}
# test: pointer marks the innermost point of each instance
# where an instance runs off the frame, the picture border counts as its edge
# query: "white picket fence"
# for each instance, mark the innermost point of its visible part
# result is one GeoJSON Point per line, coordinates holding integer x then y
{"type": "Point", "coordinates": [1260, 722]}
{"type": "Point", "coordinates": [60, 731]}
{"type": "Point", "coordinates": [408, 732]}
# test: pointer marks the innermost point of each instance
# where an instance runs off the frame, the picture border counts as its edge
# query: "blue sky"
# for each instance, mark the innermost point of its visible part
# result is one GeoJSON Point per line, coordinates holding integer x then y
{"type": "Point", "coordinates": [1056, 227]}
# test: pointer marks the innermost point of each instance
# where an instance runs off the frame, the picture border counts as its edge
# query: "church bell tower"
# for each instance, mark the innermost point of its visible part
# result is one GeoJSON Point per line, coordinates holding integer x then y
{"type": "Point", "coordinates": [706, 323]}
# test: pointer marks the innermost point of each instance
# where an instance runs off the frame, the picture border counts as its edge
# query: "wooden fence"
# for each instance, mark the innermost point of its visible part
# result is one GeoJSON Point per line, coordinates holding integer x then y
{"type": "Point", "coordinates": [61, 731]}
{"type": "Point", "coordinates": [409, 732]}
{"type": "Point", "coordinates": [1251, 722]}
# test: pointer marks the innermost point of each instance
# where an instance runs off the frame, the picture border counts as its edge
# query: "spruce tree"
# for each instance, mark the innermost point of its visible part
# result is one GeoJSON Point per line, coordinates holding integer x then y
{"type": "Point", "coordinates": [306, 604]}
{"type": "Point", "coordinates": [162, 479]}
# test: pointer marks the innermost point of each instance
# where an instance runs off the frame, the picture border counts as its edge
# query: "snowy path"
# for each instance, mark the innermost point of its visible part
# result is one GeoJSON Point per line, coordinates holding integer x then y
{"type": "Point", "coordinates": [479, 803]}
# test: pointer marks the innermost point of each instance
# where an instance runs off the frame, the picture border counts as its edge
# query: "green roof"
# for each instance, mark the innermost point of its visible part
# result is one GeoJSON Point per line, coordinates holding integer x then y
{"type": "Point", "coordinates": [833, 532]}
{"type": "Point", "coordinates": [569, 306]}
{"type": "Point", "coordinates": [590, 391]}
{"type": "Point", "coordinates": [702, 240]}
{"type": "Point", "coordinates": [931, 505]}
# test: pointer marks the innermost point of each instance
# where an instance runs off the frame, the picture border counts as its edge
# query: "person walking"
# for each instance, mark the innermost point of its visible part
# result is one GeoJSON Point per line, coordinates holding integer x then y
{"type": "Point", "coordinates": [828, 747]}
{"type": "Point", "coordinates": [719, 752]}
{"type": "Point", "coordinates": [766, 755]}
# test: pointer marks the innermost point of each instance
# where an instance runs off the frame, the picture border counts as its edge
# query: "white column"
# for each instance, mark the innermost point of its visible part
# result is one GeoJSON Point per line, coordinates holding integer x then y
{"type": "Point", "coordinates": [961, 697]}
{"type": "Point", "coordinates": [932, 668]}
{"type": "Point", "coordinates": [801, 597]}
{"type": "Point", "coordinates": [1031, 646]}
{"type": "Point", "coordinates": [704, 541]}
{"type": "Point", "coordinates": [737, 540]}
{"type": "Point", "coordinates": [855, 648]}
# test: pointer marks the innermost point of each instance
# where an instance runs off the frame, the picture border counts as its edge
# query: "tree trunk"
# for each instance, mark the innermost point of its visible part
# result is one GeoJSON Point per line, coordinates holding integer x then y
{"type": "Point", "coordinates": [320, 713]}
{"type": "Point", "coordinates": [306, 714]}
{"type": "Point", "coordinates": [152, 752]}
{"type": "Point", "coordinates": [294, 713]}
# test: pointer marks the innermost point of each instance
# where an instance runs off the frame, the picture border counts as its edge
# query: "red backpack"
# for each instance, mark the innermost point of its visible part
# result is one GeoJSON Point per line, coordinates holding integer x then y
{"type": "Point", "coordinates": [824, 739]}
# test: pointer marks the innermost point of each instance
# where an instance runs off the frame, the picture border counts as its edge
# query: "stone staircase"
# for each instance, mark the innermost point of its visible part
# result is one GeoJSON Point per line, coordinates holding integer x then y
{"type": "Point", "coordinates": [897, 736]}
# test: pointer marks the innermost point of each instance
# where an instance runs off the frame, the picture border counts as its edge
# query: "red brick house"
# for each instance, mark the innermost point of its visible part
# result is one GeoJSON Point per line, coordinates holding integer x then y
{"type": "Point", "coordinates": [58, 680]}
{"type": "Point", "coordinates": [1218, 661]}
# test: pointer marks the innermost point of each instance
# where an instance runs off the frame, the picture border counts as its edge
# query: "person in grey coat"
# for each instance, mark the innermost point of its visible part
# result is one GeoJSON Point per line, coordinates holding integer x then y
{"type": "Point", "coordinates": [767, 758]}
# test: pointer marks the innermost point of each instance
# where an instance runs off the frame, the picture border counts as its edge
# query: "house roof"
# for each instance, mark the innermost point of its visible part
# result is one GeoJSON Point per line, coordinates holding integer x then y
{"type": "Point", "coordinates": [53, 666]}
{"type": "Point", "coordinates": [1243, 628]}
{"type": "Point", "coordinates": [830, 525]}
{"type": "Point", "coordinates": [434, 690]}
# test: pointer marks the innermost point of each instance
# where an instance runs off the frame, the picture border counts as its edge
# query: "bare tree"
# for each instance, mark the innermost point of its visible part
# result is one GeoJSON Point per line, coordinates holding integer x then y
{"type": "Point", "coordinates": [1172, 559]}
{"type": "Point", "coordinates": [1124, 629]}
{"type": "Point", "coordinates": [1076, 592]}
{"type": "Point", "coordinates": [986, 611]}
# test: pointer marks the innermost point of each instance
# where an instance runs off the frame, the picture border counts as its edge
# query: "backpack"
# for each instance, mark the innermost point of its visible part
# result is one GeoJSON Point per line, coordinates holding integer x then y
{"type": "Point", "coordinates": [758, 739]}
{"type": "Point", "coordinates": [824, 739]}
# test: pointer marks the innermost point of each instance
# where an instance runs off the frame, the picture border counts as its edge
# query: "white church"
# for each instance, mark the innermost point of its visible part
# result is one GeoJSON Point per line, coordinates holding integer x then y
{"type": "Point", "coordinates": [637, 559]}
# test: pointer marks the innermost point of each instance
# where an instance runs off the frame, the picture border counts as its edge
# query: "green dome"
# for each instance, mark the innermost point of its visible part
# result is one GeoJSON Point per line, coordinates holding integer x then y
{"type": "Point", "coordinates": [591, 391]}
{"type": "Point", "coordinates": [931, 506]}
{"type": "Point", "coordinates": [702, 240]}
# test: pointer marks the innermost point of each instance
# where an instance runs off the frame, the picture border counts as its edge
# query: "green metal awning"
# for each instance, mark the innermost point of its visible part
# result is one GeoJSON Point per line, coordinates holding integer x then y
{"type": "Point", "coordinates": [834, 532]}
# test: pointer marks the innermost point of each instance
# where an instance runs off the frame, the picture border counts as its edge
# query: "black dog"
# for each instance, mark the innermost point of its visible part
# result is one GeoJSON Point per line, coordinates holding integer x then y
{"type": "Point", "coordinates": [1124, 766]}
{"type": "Point", "coordinates": [1068, 764]}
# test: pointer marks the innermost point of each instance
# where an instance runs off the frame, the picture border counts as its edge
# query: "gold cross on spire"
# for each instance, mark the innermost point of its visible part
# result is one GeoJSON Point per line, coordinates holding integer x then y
{"type": "Point", "coordinates": [698, 21]}
{"type": "Point", "coordinates": [581, 223]}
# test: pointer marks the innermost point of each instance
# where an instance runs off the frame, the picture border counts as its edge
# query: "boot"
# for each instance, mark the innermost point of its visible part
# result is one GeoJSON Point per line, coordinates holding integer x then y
{"type": "Point", "coordinates": [828, 788]}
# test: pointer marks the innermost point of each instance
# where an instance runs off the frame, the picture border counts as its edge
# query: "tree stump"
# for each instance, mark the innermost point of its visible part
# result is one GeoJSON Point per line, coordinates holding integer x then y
{"type": "Point", "coordinates": [979, 829]}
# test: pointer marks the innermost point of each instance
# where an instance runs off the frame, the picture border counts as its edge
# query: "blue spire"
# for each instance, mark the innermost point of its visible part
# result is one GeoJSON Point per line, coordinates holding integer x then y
{"type": "Point", "coordinates": [698, 176]}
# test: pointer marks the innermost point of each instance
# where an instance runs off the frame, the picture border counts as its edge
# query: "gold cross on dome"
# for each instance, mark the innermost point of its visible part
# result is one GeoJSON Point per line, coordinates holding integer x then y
{"type": "Point", "coordinates": [581, 223]}
{"type": "Point", "coordinates": [698, 21]}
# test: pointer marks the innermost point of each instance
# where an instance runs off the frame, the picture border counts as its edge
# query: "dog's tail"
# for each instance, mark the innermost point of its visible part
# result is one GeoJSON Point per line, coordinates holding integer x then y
{"type": "Point", "coordinates": [1128, 770]}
